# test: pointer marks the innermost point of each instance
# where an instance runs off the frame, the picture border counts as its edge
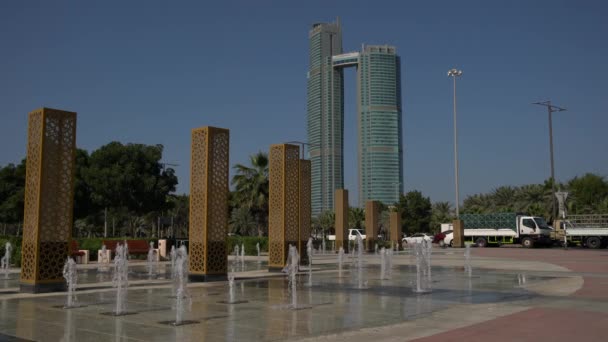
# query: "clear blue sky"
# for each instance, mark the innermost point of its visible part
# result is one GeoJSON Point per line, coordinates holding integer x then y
{"type": "Point", "coordinates": [149, 71]}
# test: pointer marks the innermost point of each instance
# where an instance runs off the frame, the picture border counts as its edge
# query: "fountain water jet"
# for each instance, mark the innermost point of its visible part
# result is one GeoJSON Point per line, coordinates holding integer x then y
{"type": "Point", "coordinates": [150, 259]}
{"type": "Point", "coordinates": [467, 260]}
{"type": "Point", "coordinates": [340, 260]}
{"type": "Point", "coordinates": [376, 249]}
{"type": "Point", "coordinates": [382, 263]}
{"type": "Point", "coordinates": [423, 252]}
{"type": "Point", "coordinates": [71, 277]}
{"type": "Point", "coordinates": [361, 284]}
{"type": "Point", "coordinates": [183, 301]}
{"type": "Point", "coordinates": [243, 256]}
{"type": "Point", "coordinates": [231, 278]}
{"type": "Point", "coordinates": [309, 251]}
{"type": "Point", "coordinates": [6, 259]}
{"type": "Point", "coordinates": [120, 279]}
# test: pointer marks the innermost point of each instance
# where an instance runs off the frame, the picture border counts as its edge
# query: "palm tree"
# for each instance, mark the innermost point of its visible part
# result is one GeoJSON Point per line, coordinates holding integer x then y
{"type": "Point", "coordinates": [356, 217]}
{"type": "Point", "coordinates": [242, 222]}
{"type": "Point", "coordinates": [441, 212]}
{"type": "Point", "coordinates": [251, 188]}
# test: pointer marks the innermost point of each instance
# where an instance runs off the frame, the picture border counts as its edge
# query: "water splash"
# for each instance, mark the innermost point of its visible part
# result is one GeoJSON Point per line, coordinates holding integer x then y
{"type": "Point", "coordinates": [423, 251]}
{"type": "Point", "coordinates": [361, 283]}
{"type": "Point", "coordinates": [243, 256]}
{"type": "Point", "coordinates": [5, 262]}
{"type": "Point", "coordinates": [120, 279]}
{"type": "Point", "coordinates": [151, 259]}
{"type": "Point", "coordinates": [340, 261]}
{"type": "Point", "coordinates": [467, 260]}
{"type": "Point", "coordinates": [292, 271]}
{"type": "Point", "coordinates": [173, 256]}
{"type": "Point", "coordinates": [323, 246]}
{"type": "Point", "coordinates": [389, 264]}
{"type": "Point", "coordinates": [309, 251]}
{"type": "Point", "coordinates": [183, 300]}
{"type": "Point", "coordinates": [71, 277]}
{"type": "Point", "coordinates": [382, 262]}
{"type": "Point", "coordinates": [376, 249]}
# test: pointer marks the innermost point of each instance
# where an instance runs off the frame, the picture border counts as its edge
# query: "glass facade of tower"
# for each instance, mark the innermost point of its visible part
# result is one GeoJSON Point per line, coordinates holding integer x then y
{"type": "Point", "coordinates": [380, 152]}
{"type": "Point", "coordinates": [325, 116]}
{"type": "Point", "coordinates": [380, 125]}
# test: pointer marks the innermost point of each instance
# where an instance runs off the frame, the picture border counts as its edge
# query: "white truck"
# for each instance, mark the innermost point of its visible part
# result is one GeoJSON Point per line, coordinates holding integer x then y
{"type": "Point", "coordinates": [505, 228]}
{"type": "Point", "coordinates": [352, 235]}
{"type": "Point", "coordinates": [586, 230]}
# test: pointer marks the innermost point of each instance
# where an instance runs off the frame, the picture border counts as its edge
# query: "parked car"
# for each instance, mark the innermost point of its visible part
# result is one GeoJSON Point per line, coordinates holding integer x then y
{"type": "Point", "coordinates": [438, 238]}
{"type": "Point", "coordinates": [417, 238]}
{"type": "Point", "coordinates": [448, 238]}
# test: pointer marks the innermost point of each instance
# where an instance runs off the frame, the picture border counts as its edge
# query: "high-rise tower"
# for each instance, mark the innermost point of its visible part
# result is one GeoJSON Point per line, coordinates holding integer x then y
{"type": "Point", "coordinates": [380, 126]}
{"type": "Point", "coordinates": [325, 115]}
{"type": "Point", "coordinates": [380, 151]}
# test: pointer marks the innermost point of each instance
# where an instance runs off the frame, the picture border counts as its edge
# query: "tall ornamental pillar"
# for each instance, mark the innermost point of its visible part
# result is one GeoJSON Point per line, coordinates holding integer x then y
{"type": "Point", "coordinates": [341, 219]}
{"type": "Point", "coordinates": [283, 203]}
{"type": "Point", "coordinates": [372, 220]}
{"type": "Point", "coordinates": [395, 228]}
{"type": "Point", "coordinates": [208, 230]}
{"type": "Point", "coordinates": [304, 208]}
{"type": "Point", "coordinates": [49, 199]}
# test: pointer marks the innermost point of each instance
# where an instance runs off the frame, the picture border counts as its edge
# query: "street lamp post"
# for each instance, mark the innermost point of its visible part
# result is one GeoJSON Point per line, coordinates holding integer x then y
{"type": "Point", "coordinates": [455, 73]}
{"type": "Point", "coordinates": [550, 109]}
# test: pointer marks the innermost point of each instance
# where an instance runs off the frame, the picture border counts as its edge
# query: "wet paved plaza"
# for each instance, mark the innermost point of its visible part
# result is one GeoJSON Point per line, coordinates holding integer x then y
{"type": "Point", "coordinates": [332, 305]}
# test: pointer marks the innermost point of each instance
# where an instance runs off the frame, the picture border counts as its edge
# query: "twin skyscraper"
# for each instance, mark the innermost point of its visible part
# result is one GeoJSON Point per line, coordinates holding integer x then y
{"type": "Point", "coordinates": [380, 145]}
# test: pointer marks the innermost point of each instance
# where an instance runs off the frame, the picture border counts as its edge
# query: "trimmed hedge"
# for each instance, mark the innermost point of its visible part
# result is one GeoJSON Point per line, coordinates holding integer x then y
{"type": "Point", "coordinates": [250, 242]}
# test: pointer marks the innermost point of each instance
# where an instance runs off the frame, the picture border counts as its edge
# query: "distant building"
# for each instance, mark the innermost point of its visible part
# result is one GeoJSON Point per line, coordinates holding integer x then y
{"type": "Point", "coordinates": [380, 147]}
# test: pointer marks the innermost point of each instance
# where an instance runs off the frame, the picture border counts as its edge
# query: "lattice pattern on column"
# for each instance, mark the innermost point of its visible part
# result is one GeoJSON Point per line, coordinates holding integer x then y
{"type": "Point", "coordinates": [304, 207]}
{"type": "Point", "coordinates": [341, 217]}
{"type": "Point", "coordinates": [283, 216]}
{"type": "Point", "coordinates": [49, 195]}
{"type": "Point", "coordinates": [372, 219]}
{"type": "Point", "coordinates": [209, 200]}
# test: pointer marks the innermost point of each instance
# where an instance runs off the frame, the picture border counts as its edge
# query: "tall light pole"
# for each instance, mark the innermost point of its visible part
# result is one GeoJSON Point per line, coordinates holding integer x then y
{"type": "Point", "coordinates": [550, 109]}
{"type": "Point", "coordinates": [455, 73]}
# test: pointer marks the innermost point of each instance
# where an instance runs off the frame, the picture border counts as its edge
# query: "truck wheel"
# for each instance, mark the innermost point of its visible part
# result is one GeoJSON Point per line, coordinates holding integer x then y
{"type": "Point", "coordinates": [481, 242]}
{"type": "Point", "coordinates": [527, 242]}
{"type": "Point", "coordinates": [593, 242]}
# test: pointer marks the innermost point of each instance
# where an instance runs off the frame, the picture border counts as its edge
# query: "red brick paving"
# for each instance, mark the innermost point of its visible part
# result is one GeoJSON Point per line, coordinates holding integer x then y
{"type": "Point", "coordinates": [538, 324]}
{"type": "Point", "coordinates": [542, 324]}
{"type": "Point", "coordinates": [577, 260]}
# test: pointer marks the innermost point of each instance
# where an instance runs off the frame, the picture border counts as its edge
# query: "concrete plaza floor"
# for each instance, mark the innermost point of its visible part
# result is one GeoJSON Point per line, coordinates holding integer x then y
{"type": "Point", "coordinates": [513, 294]}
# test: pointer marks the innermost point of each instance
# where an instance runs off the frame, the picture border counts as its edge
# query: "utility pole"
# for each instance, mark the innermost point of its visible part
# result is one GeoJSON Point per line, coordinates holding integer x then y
{"type": "Point", "coordinates": [456, 73]}
{"type": "Point", "coordinates": [550, 109]}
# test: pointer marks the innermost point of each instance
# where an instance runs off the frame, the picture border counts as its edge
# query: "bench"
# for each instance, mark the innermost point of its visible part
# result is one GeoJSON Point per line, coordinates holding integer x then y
{"type": "Point", "coordinates": [136, 247]}
{"type": "Point", "coordinates": [81, 256]}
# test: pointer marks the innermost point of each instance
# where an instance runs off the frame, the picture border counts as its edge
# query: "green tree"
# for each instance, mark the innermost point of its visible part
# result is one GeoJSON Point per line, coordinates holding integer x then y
{"type": "Point", "coordinates": [587, 193]}
{"type": "Point", "coordinates": [242, 222]}
{"type": "Point", "coordinates": [324, 223]}
{"type": "Point", "coordinates": [441, 212]}
{"type": "Point", "coordinates": [415, 212]}
{"type": "Point", "coordinates": [129, 178]}
{"type": "Point", "coordinates": [356, 218]}
{"type": "Point", "coordinates": [12, 190]}
{"type": "Point", "coordinates": [251, 189]}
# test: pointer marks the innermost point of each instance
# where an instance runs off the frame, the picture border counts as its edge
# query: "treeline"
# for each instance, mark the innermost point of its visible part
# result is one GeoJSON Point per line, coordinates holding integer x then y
{"type": "Point", "coordinates": [587, 194]}
{"type": "Point", "coordinates": [124, 189]}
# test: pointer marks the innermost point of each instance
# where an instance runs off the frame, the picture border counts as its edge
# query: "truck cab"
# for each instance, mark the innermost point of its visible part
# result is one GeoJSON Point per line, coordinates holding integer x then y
{"type": "Point", "coordinates": [533, 229]}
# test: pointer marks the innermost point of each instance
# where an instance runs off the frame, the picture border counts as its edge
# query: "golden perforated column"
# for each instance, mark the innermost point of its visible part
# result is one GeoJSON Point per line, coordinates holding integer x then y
{"type": "Point", "coordinates": [372, 218]}
{"type": "Point", "coordinates": [209, 204]}
{"type": "Point", "coordinates": [49, 199]}
{"type": "Point", "coordinates": [341, 217]}
{"type": "Point", "coordinates": [304, 208]}
{"type": "Point", "coordinates": [395, 227]}
{"type": "Point", "coordinates": [283, 212]}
